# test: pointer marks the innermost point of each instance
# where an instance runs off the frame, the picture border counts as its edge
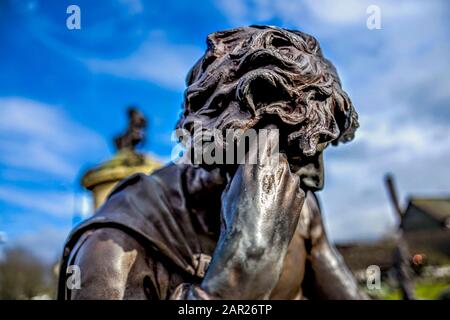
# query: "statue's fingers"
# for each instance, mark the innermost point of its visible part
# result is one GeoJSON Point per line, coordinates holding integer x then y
{"type": "Point", "coordinates": [268, 146]}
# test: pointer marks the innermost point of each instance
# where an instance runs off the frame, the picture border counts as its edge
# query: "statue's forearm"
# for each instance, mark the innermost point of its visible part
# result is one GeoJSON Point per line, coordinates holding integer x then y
{"type": "Point", "coordinates": [259, 216]}
{"type": "Point", "coordinates": [245, 269]}
{"type": "Point", "coordinates": [239, 270]}
{"type": "Point", "coordinates": [333, 279]}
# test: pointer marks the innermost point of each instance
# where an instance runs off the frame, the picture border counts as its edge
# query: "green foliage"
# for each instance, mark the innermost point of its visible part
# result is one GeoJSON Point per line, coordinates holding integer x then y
{"type": "Point", "coordinates": [23, 276]}
{"type": "Point", "coordinates": [424, 291]}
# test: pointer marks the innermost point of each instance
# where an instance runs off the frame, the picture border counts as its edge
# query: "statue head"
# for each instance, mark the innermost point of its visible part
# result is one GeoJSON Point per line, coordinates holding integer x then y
{"type": "Point", "coordinates": [258, 75]}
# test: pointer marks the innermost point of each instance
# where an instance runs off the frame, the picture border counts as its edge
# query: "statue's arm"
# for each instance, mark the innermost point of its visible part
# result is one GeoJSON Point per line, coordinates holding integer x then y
{"type": "Point", "coordinates": [112, 266]}
{"type": "Point", "coordinates": [259, 218]}
{"type": "Point", "coordinates": [332, 278]}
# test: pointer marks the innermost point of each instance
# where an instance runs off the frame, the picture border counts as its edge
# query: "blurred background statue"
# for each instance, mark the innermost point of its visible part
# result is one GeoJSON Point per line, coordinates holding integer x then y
{"type": "Point", "coordinates": [135, 133]}
{"type": "Point", "coordinates": [127, 160]}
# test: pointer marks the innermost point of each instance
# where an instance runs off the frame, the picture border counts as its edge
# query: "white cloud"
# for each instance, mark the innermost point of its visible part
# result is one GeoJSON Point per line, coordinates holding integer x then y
{"type": "Point", "coordinates": [354, 11]}
{"type": "Point", "coordinates": [235, 10]}
{"type": "Point", "coordinates": [133, 6]}
{"type": "Point", "coordinates": [54, 203]}
{"type": "Point", "coordinates": [317, 12]}
{"type": "Point", "coordinates": [40, 137]}
{"type": "Point", "coordinates": [36, 156]}
{"type": "Point", "coordinates": [157, 61]}
{"type": "Point", "coordinates": [41, 153]}
{"type": "Point", "coordinates": [347, 11]}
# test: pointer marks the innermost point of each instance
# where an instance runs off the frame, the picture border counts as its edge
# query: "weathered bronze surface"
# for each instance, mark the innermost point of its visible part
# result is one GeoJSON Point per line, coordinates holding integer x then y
{"type": "Point", "coordinates": [258, 227]}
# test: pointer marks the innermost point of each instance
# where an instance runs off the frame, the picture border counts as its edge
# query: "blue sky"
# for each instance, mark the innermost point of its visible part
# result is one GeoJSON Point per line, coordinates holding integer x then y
{"type": "Point", "coordinates": [63, 94]}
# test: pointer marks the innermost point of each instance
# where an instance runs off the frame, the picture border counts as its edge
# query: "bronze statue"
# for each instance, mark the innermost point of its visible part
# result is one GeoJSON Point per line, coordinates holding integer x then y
{"type": "Point", "coordinates": [240, 231]}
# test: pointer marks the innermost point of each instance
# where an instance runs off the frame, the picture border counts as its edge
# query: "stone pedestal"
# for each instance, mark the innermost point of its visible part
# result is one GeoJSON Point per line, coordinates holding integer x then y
{"type": "Point", "coordinates": [102, 179]}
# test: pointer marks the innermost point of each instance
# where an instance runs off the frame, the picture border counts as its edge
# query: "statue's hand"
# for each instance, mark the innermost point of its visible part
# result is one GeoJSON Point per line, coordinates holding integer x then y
{"type": "Point", "coordinates": [262, 202]}
{"type": "Point", "coordinates": [260, 211]}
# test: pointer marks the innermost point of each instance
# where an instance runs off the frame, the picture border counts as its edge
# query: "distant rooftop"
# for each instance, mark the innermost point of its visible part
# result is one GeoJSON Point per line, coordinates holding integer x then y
{"type": "Point", "coordinates": [439, 208]}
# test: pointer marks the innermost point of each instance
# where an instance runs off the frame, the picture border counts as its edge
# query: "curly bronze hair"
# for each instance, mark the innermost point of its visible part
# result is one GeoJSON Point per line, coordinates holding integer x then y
{"type": "Point", "coordinates": [251, 73]}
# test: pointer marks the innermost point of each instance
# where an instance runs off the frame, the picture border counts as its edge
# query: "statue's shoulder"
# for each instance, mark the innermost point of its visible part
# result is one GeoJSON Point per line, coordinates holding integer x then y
{"type": "Point", "coordinates": [165, 178]}
{"type": "Point", "coordinates": [151, 209]}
